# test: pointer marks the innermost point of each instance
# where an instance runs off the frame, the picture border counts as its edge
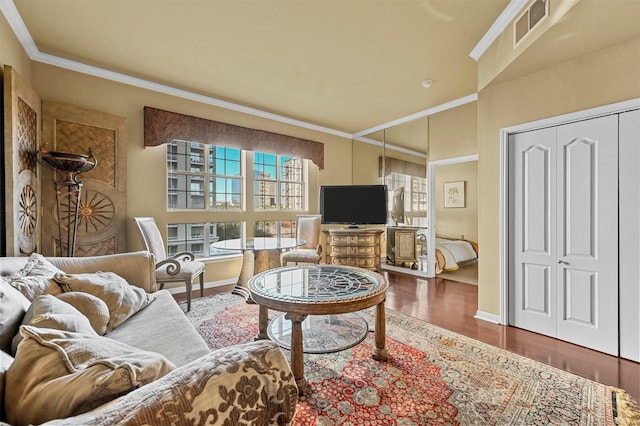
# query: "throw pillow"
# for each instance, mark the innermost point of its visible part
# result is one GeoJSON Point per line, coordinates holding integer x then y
{"type": "Point", "coordinates": [13, 306]}
{"type": "Point", "coordinates": [37, 266]}
{"type": "Point", "coordinates": [122, 299]}
{"type": "Point", "coordinates": [48, 311]}
{"type": "Point", "coordinates": [34, 278]}
{"type": "Point", "coordinates": [57, 374]}
{"type": "Point", "coordinates": [91, 307]}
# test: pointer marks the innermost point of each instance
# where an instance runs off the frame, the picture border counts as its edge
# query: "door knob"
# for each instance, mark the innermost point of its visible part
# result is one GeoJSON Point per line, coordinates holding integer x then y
{"type": "Point", "coordinates": [563, 262]}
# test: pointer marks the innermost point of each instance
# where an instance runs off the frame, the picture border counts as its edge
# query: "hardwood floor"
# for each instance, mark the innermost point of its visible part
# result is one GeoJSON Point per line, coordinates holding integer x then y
{"type": "Point", "coordinates": [452, 305]}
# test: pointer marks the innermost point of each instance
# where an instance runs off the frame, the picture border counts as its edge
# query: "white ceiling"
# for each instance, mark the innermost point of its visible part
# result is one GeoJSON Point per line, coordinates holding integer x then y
{"type": "Point", "coordinates": [345, 66]}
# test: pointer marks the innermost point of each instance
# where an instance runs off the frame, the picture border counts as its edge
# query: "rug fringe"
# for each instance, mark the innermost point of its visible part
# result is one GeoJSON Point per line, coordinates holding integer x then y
{"type": "Point", "coordinates": [626, 409]}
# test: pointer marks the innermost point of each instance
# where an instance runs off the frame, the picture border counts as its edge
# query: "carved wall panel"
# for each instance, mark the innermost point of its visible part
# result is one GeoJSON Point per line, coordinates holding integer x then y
{"type": "Point", "coordinates": [22, 132]}
{"type": "Point", "coordinates": [102, 217]}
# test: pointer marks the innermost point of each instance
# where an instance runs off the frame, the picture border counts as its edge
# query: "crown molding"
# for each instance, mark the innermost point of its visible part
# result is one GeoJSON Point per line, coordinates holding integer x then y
{"type": "Point", "coordinates": [508, 14]}
{"type": "Point", "coordinates": [420, 114]}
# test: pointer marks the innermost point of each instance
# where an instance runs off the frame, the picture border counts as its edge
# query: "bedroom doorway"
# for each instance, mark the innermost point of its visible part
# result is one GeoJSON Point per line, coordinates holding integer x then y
{"type": "Point", "coordinates": [456, 221]}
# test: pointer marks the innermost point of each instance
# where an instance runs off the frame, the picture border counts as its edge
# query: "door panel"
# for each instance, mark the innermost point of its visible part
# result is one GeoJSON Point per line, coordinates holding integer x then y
{"type": "Point", "coordinates": [579, 197]}
{"type": "Point", "coordinates": [102, 218]}
{"type": "Point", "coordinates": [580, 297]}
{"type": "Point", "coordinates": [563, 225]}
{"type": "Point", "coordinates": [537, 289]}
{"type": "Point", "coordinates": [588, 206]}
{"type": "Point", "coordinates": [22, 134]}
{"type": "Point", "coordinates": [532, 227]}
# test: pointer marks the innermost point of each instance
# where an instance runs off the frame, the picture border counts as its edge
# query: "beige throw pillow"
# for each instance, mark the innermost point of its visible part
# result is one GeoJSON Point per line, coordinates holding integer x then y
{"type": "Point", "coordinates": [48, 311]}
{"type": "Point", "coordinates": [13, 306]}
{"type": "Point", "coordinates": [122, 299]}
{"type": "Point", "coordinates": [35, 278]}
{"type": "Point", "coordinates": [57, 374]}
{"type": "Point", "coordinates": [37, 266]}
{"type": "Point", "coordinates": [91, 307]}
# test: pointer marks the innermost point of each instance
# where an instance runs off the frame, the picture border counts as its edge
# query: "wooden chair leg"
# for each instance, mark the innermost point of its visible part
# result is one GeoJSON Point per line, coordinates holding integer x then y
{"type": "Point", "coordinates": [188, 283]}
{"type": "Point", "coordinates": [202, 284]}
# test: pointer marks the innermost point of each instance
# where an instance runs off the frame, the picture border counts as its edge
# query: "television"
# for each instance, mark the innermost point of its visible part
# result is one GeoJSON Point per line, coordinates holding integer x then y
{"type": "Point", "coordinates": [353, 204]}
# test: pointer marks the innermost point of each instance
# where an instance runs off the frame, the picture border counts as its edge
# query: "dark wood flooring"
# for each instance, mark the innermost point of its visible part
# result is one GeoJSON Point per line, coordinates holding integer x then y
{"type": "Point", "coordinates": [452, 305]}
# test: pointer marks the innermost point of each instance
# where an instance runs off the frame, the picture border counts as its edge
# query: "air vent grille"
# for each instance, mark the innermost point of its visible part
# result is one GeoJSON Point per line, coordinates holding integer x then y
{"type": "Point", "coordinates": [531, 17]}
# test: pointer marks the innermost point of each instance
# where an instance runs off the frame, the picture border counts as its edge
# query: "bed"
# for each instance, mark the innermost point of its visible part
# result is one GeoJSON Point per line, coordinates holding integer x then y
{"type": "Point", "coordinates": [451, 253]}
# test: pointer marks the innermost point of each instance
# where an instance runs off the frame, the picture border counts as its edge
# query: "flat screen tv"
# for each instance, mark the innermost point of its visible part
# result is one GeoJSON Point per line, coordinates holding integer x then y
{"type": "Point", "coordinates": [353, 205]}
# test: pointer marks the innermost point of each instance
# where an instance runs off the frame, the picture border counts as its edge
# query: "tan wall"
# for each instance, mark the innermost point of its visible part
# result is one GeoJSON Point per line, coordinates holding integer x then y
{"type": "Point", "coordinates": [456, 222]}
{"type": "Point", "coordinates": [600, 78]}
{"type": "Point", "coordinates": [146, 185]}
{"type": "Point", "coordinates": [454, 133]}
{"type": "Point", "coordinates": [12, 53]}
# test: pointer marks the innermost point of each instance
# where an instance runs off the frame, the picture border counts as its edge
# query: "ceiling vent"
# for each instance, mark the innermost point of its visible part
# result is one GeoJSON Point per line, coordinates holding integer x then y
{"type": "Point", "coordinates": [531, 17]}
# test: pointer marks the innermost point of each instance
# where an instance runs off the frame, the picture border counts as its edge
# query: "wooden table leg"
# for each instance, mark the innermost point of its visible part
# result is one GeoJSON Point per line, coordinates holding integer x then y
{"type": "Point", "coordinates": [266, 259]}
{"type": "Point", "coordinates": [263, 320]}
{"type": "Point", "coordinates": [380, 352]}
{"type": "Point", "coordinates": [248, 264]}
{"type": "Point", "coordinates": [297, 356]}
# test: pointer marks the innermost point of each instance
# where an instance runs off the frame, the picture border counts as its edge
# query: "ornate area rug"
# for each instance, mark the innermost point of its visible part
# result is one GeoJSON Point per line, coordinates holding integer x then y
{"type": "Point", "coordinates": [434, 377]}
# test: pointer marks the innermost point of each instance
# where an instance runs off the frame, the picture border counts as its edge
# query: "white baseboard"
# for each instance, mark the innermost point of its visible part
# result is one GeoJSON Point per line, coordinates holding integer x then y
{"type": "Point", "coordinates": [212, 284]}
{"type": "Point", "coordinates": [487, 317]}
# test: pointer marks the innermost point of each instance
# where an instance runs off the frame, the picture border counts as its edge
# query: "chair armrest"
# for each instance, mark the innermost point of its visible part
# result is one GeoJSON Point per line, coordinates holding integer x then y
{"type": "Point", "coordinates": [138, 268]}
{"type": "Point", "coordinates": [184, 256]}
{"type": "Point", "coordinates": [239, 384]}
{"type": "Point", "coordinates": [173, 266]}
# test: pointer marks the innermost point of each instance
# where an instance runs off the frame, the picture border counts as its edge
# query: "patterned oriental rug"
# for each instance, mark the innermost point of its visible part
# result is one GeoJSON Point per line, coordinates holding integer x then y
{"type": "Point", "coordinates": [434, 377]}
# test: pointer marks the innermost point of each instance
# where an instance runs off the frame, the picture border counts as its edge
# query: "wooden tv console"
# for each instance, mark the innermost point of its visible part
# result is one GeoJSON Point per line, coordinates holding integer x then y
{"type": "Point", "coordinates": [354, 247]}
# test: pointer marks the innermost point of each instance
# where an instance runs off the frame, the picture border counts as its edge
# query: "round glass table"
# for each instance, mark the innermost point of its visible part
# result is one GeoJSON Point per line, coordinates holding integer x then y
{"type": "Point", "coordinates": [326, 291]}
{"type": "Point", "coordinates": [258, 254]}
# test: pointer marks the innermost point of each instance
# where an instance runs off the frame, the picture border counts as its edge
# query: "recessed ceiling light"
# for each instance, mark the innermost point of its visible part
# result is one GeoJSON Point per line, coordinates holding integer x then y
{"type": "Point", "coordinates": [426, 84]}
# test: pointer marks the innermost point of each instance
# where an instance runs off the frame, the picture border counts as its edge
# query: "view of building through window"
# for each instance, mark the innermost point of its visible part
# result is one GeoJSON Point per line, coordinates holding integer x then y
{"type": "Point", "coordinates": [210, 178]}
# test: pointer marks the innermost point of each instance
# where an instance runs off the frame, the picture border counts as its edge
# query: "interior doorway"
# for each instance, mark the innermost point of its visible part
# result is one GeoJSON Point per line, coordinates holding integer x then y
{"type": "Point", "coordinates": [467, 209]}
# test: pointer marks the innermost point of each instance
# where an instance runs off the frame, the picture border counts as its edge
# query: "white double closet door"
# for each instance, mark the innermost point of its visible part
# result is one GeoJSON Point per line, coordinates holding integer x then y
{"type": "Point", "coordinates": [563, 227]}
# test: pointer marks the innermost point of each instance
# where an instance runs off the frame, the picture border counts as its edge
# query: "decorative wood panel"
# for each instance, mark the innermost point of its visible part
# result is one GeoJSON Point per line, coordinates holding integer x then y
{"type": "Point", "coordinates": [101, 227]}
{"type": "Point", "coordinates": [22, 132]}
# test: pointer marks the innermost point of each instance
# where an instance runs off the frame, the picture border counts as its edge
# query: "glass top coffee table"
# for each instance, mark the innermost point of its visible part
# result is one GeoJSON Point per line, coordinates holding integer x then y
{"type": "Point", "coordinates": [327, 291]}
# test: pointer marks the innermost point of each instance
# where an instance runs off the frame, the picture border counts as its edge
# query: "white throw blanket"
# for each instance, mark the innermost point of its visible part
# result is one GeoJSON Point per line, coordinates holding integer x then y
{"type": "Point", "coordinates": [455, 251]}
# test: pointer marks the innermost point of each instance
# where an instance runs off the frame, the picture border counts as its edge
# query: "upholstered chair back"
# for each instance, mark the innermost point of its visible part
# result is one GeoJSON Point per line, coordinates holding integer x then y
{"type": "Point", "coordinates": [308, 229]}
{"type": "Point", "coordinates": [152, 237]}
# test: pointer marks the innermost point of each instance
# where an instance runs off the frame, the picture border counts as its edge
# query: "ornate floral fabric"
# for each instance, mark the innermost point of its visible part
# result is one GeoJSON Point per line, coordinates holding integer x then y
{"type": "Point", "coordinates": [248, 384]}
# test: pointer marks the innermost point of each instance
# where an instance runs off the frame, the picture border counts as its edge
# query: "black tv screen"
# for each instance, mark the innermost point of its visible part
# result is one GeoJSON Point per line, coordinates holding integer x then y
{"type": "Point", "coordinates": [353, 204]}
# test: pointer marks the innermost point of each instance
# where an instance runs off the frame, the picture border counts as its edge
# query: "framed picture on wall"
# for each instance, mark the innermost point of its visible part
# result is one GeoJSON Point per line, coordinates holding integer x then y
{"type": "Point", "coordinates": [454, 194]}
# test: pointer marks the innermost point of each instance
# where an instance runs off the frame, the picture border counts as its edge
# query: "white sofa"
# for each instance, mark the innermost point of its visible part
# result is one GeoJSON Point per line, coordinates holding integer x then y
{"type": "Point", "coordinates": [243, 384]}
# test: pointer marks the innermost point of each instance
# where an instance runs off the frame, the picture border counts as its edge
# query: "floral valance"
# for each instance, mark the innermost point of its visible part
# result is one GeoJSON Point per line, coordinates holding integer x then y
{"type": "Point", "coordinates": [392, 165]}
{"type": "Point", "coordinates": [161, 127]}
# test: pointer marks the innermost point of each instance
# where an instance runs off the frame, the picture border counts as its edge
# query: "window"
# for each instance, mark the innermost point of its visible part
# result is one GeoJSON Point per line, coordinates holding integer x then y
{"type": "Point", "coordinates": [190, 165]}
{"type": "Point", "coordinates": [225, 178]}
{"type": "Point", "coordinates": [185, 237]}
{"type": "Point", "coordinates": [415, 196]}
{"type": "Point", "coordinates": [281, 228]}
{"type": "Point", "coordinates": [198, 237]}
{"type": "Point", "coordinates": [278, 182]}
{"type": "Point", "coordinates": [208, 178]}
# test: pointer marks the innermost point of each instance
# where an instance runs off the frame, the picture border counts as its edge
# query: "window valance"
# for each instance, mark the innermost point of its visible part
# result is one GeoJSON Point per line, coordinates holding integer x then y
{"type": "Point", "coordinates": [161, 127]}
{"type": "Point", "coordinates": [394, 165]}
